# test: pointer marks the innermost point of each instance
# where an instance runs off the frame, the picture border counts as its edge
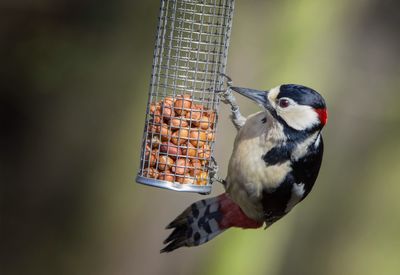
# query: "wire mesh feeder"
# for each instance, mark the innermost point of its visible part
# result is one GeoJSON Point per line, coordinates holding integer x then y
{"type": "Point", "coordinates": [189, 59]}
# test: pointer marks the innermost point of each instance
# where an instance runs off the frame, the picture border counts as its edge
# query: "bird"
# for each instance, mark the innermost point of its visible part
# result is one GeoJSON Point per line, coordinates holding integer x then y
{"type": "Point", "coordinates": [275, 161]}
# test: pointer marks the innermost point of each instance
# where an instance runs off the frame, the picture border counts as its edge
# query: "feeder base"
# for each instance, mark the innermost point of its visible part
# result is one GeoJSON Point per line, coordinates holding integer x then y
{"type": "Point", "coordinates": [204, 189]}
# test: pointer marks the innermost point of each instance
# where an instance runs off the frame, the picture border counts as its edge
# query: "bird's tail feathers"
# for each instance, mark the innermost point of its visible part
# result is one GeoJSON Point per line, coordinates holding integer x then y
{"type": "Point", "coordinates": [204, 220]}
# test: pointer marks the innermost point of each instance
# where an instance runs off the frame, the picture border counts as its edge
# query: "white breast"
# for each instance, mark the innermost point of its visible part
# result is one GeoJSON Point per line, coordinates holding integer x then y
{"type": "Point", "coordinates": [248, 174]}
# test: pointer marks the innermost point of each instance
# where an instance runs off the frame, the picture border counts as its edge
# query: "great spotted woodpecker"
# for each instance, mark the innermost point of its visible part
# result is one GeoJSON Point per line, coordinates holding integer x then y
{"type": "Point", "coordinates": [275, 162]}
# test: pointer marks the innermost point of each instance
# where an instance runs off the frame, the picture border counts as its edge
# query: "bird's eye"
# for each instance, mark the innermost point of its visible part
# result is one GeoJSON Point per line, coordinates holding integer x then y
{"type": "Point", "coordinates": [283, 103]}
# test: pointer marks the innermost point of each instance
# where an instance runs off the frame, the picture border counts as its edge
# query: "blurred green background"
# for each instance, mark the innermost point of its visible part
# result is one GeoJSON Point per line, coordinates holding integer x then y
{"type": "Point", "coordinates": [75, 77]}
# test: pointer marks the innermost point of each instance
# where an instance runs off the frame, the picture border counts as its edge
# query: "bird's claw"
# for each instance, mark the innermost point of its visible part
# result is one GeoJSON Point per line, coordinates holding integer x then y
{"type": "Point", "coordinates": [227, 97]}
{"type": "Point", "coordinates": [229, 82]}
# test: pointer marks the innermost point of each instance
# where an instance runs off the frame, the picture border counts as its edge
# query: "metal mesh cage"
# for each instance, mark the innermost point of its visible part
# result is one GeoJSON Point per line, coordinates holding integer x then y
{"type": "Point", "coordinates": [189, 59]}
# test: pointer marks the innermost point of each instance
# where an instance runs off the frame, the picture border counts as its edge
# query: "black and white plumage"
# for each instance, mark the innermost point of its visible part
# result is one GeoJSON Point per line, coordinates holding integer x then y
{"type": "Point", "coordinates": [274, 164]}
{"type": "Point", "coordinates": [278, 152]}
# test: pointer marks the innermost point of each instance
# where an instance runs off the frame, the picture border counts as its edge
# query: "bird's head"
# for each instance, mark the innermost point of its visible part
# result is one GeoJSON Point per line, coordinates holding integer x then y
{"type": "Point", "coordinates": [299, 107]}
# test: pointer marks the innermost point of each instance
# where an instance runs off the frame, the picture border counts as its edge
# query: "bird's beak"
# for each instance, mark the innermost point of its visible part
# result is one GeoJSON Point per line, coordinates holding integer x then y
{"type": "Point", "coordinates": [260, 97]}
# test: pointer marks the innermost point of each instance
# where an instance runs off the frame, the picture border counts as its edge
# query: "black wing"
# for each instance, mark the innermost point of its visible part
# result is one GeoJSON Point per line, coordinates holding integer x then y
{"type": "Point", "coordinates": [304, 171]}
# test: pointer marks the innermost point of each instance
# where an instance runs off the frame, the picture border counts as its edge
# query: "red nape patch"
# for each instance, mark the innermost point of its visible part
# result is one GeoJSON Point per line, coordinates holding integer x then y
{"type": "Point", "coordinates": [323, 115]}
{"type": "Point", "coordinates": [233, 216]}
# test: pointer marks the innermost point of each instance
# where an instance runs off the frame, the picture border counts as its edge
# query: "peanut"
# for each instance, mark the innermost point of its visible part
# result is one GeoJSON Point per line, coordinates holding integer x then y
{"type": "Point", "coordinates": [150, 173]}
{"type": "Point", "coordinates": [170, 149]}
{"type": "Point", "coordinates": [151, 158]}
{"type": "Point", "coordinates": [196, 167]}
{"type": "Point", "coordinates": [165, 162]}
{"type": "Point", "coordinates": [154, 107]}
{"type": "Point", "coordinates": [147, 151]}
{"type": "Point", "coordinates": [167, 176]}
{"type": "Point", "coordinates": [183, 132]}
{"type": "Point", "coordinates": [155, 142]}
{"type": "Point", "coordinates": [157, 117]}
{"type": "Point", "coordinates": [165, 132]}
{"type": "Point", "coordinates": [197, 137]}
{"type": "Point", "coordinates": [178, 122]}
{"type": "Point", "coordinates": [201, 179]}
{"type": "Point", "coordinates": [153, 129]}
{"type": "Point", "coordinates": [210, 135]}
{"type": "Point", "coordinates": [182, 104]}
{"type": "Point", "coordinates": [181, 166]}
{"type": "Point", "coordinates": [189, 150]}
{"type": "Point", "coordinates": [185, 179]}
{"type": "Point", "coordinates": [167, 111]}
{"type": "Point", "coordinates": [169, 100]}
{"type": "Point", "coordinates": [204, 123]}
{"type": "Point", "coordinates": [180, 137]}
{"type": "Point", "coordinates": [194, 117]}
{"type": "Point", "coordinates": [205, 152]}
{"type": "Point", "coordinates": [211, 117]}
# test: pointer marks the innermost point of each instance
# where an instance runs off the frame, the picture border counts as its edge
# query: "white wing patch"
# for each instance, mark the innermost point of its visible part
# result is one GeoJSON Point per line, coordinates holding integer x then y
{"type": "Point", "coordinates": [297, 195]}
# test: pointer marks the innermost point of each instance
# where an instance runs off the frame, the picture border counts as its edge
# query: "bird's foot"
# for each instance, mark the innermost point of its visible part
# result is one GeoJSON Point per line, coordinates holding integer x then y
{"type": "Point", "coordinates": [227, 97]}
{"type": "Point", "coordinates": [225, 91]}
{"type": "Point", "coordinates": [229, 81]}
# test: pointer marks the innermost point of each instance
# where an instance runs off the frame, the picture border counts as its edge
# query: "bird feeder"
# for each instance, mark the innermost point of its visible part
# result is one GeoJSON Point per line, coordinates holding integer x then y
{"type": "Point", "coordinates": [182, 112]}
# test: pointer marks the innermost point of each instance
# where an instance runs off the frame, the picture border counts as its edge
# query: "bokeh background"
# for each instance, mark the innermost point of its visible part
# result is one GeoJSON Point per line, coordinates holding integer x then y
{"type": "Point", "coordinates": [75, 76]}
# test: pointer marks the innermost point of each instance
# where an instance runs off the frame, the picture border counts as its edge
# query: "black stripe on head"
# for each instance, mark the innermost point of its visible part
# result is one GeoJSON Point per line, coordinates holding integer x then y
{"type": "Point", "coordinates": [302, 95]}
